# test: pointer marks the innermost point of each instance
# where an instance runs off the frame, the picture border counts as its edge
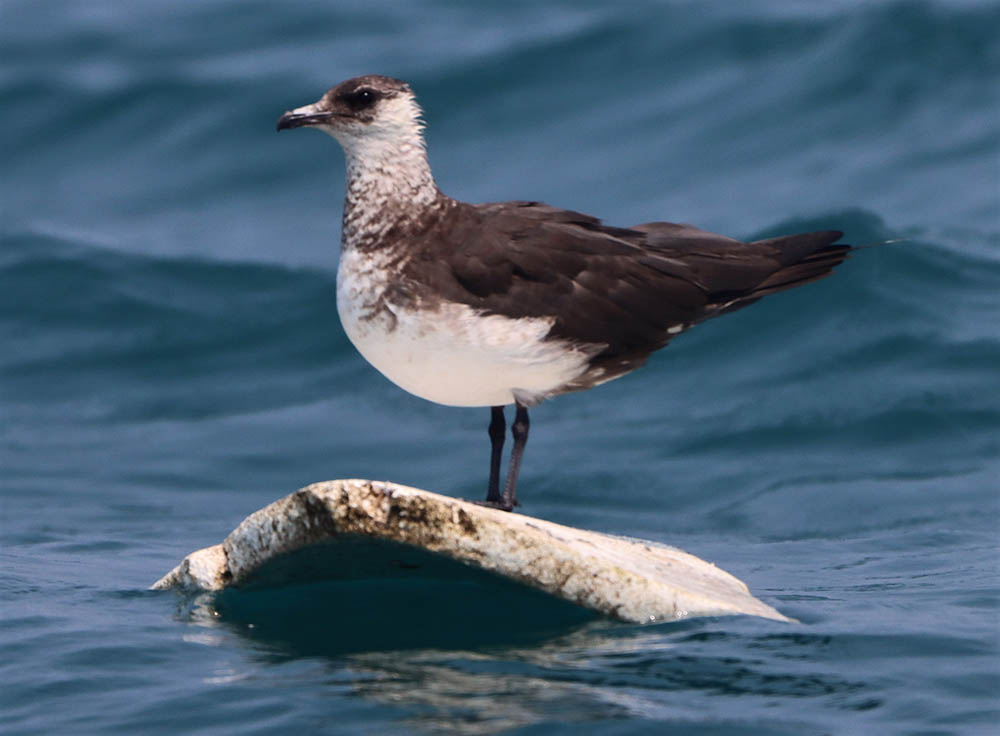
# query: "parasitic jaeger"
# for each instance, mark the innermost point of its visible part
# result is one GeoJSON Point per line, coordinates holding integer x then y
{"type": "Point", "coordinates": [516, 302]}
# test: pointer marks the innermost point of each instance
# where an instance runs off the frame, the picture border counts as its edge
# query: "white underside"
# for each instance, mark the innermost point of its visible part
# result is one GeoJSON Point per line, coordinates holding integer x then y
{"type": "Point", "coordinates": [451, 354]}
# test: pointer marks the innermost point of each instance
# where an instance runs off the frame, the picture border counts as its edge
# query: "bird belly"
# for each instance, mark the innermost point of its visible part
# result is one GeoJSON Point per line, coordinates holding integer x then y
{"type": "Point", "coordinates": [452, 354]}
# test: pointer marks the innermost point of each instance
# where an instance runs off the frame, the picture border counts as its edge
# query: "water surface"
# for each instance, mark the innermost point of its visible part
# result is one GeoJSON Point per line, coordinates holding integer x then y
{"type": "Point", "coordinates": [172, 361]}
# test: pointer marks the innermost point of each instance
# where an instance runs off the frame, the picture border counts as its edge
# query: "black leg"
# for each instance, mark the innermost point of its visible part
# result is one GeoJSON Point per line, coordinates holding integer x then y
{"type": "Point", "coordinates": [519, 430]}
{"type": "Point", "coordinates": [498, 429]}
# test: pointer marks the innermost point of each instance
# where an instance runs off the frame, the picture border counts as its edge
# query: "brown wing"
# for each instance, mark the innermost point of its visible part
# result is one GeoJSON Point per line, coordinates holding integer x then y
{"type": "Point", "coordinates": [628, 289]}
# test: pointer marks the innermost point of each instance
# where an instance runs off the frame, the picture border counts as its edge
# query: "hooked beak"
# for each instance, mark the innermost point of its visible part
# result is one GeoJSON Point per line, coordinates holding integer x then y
{"type": "Point", "coordinates": [303, 116]}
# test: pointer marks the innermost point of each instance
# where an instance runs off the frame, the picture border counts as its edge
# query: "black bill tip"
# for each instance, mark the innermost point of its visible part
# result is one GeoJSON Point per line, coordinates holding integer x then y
{"type": "Point", "coordinates": [297, 120]}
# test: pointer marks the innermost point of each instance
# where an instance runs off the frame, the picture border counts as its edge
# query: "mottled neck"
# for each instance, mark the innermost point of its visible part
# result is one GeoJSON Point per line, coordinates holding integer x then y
{"type": "Point", "coordinates": [389, 187]}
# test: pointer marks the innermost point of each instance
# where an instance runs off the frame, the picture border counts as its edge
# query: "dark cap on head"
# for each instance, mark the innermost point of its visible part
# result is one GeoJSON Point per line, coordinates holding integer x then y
{"type": "Point", "coordinates": [352, 99]}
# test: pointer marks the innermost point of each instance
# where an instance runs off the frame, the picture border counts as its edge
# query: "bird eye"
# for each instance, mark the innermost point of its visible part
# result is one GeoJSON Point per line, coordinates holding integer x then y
{"type": "Point", "coordinates": [362, 98]}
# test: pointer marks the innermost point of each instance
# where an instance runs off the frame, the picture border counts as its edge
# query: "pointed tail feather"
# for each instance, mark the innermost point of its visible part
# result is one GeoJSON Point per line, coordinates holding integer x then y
{"type": "Point", "coordinates": [811, 268]}
{"type": "Point", "coordinates": [805, 258]}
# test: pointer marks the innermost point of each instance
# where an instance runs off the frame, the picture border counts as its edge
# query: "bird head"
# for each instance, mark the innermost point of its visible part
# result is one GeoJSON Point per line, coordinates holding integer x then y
{"type": "Point", "coordinates": [362, 111]}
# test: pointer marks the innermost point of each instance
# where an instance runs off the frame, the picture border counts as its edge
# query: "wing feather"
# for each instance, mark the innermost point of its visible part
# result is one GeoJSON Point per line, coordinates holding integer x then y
{"type": "Point", "coordinates": [628, 290]}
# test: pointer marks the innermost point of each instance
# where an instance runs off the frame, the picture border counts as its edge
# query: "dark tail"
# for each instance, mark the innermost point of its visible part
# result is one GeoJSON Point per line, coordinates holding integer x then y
{"type": "Point", "coordinates": [804, 258]}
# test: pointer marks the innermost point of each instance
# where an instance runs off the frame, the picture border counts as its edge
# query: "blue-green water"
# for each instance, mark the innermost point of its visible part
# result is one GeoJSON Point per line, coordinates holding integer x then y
{"type": "Point", "coordinates": [171, 361]}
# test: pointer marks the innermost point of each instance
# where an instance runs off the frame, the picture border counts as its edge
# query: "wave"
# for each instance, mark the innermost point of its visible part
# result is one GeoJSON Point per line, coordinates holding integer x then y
{"type": "Point", "coordinates": [153, 306]}
{"type": "Point", "coordinates": [79, 318]}
{"type": "Point", "coordinates": [160, 333]}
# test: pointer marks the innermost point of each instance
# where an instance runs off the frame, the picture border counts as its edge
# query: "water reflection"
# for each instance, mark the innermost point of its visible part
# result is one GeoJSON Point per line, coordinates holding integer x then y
{"type": "Point", "coordinates": [517, 661]}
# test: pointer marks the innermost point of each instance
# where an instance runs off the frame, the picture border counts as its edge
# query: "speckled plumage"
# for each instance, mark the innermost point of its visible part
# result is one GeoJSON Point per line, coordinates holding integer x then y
{"type": "Point", "coordinates": [516, 302]}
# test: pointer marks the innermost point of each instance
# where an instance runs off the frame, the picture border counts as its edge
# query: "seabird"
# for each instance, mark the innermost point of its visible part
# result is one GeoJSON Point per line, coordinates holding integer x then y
{"type": "Point", "coordinates": [516, 302]}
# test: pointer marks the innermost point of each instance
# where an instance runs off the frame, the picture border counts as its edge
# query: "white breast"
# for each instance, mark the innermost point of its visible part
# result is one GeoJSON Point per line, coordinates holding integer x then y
{"type": "Point", "coordinates": [449, 353]}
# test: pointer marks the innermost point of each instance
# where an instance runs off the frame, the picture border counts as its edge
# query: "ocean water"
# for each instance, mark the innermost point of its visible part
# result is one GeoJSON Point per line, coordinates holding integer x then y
{"type": "Point", "coordinates": [171, 361]}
